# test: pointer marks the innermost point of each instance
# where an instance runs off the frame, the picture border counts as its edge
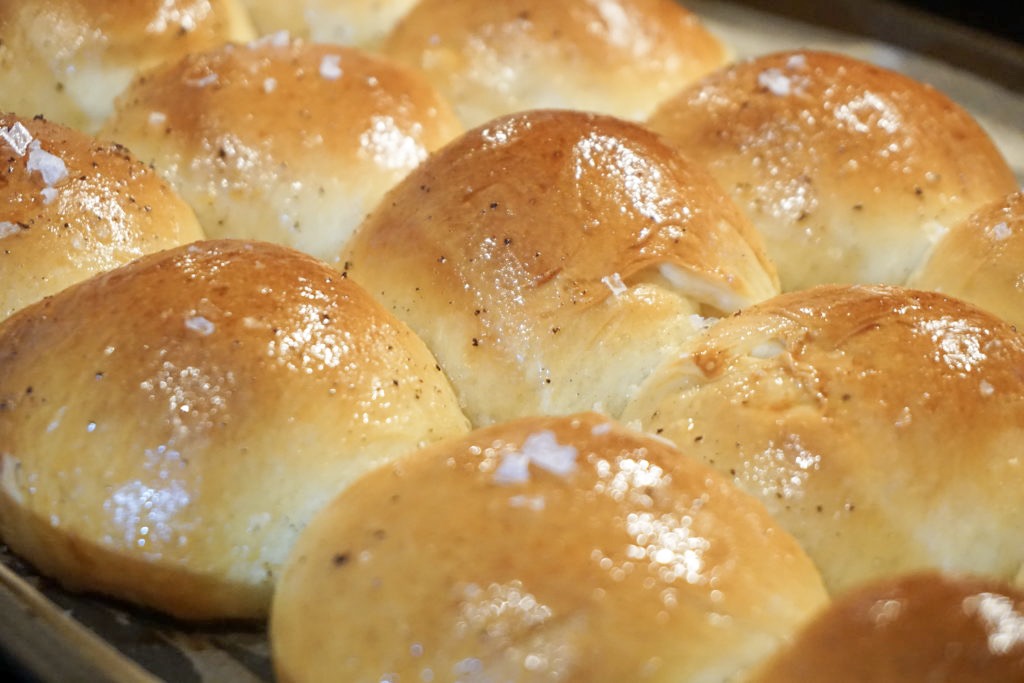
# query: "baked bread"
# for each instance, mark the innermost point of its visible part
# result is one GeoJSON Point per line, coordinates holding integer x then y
{"type": "Point", "coordinates": [541, 549]}
{"type": "Point", "coordinates": [71, 207]}
{"type": "Point", "coordinates": [170, 426]}
{"type": "Point", "coordinates": [280, 140]}
{"type": "Point", "coordinates": [619, 57]}
{"type": "Point", "coordinates": [68, 59]}
{"type": "Point", "coordinates": [850, 171]}
{"type": "Point", "coordinates": [880, 426]}
{"type": "Point", "coordinates": [533, 249]}
{"type": "Point", "coordinates": [981, 259]}
{"type": "Point", "coordinates": [920, 628]}
{"type": "Point", "coordinates": [362, 23]}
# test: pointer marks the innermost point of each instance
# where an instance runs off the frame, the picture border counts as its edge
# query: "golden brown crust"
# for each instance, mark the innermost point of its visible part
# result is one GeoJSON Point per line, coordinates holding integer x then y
{"type": "Point", "coordinates": [283, 140]}
{"type": "Point", "coordinates": [568, 546]}
{"type": "Point", "coordinates": [531, 250]}
{"type": "Point", "coordinates": [919, 628]}
{"type": "Point", "coordinates": [879, 425]}
{"type": "Point", "coordinates": [168, 427]}
{"type": "Point", "coordinates": [73, 207]}
{"type": "Point", "coordinates": [68, 59]}
{"type": "Point", "coordinates": [981, 260]}
{"type": "Point", "coordinates": [849, 170]}
{"type": "Point", "coordinates": [492, 58]}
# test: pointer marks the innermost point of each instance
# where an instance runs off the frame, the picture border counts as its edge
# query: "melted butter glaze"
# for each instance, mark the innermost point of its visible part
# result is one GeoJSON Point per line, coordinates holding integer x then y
{"type": "Point", "coordinates": [69, 59]}
{"type": "Point", "coordinates": [826, 154]}
{"type": "Point", "coordinates": [190, 381]}
{"type": "Point", "coordinates": [868, 419]}
{"type": "Point", "coordinates": [283, 140]}
{"type": "Point", "coordinates": [106, 209]}
{"type": "Point", "coordinates": [532, 576]}
{"type": "Point", "coordinates": [554, 223]}
{"type": "Point", "coordinates": [918, 627]}
{"type": "Point", "coordinates": [614, 56]}
{"type": "Point", "coordinates": [980, 259]}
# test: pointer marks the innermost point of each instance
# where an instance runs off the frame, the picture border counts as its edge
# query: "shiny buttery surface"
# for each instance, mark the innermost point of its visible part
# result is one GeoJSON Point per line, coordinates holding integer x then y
{"type": "Point", "coordinates": [618, 57]}
{"type": "Point", "coordinates": [548, 549]}
{"type": "Point", "coordinates": [981, 259]}
{"type": "Point", "coordinates": [69, 59]}
{"type": "Point", "coordinates": [168, 428]}
{"type": "Point", "coordinates": [283, 140]}
{"type": "Point", "coordinates": [921, 628]}
{"type": "Point", "coordinates": [536, 247]}
{"type": "Point", "coordinates": [72, 207]}
{"type": "Point", "coordinates": [879, 425]}
{"type": "Point", "coordinates": [850, 171]}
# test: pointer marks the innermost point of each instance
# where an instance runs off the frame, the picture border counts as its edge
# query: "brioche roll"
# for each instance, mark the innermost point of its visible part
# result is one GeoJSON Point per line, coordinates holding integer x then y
{"type": "Point", "coordinates": [532, 250]}
{"type": "Point", "coordinates": [565, 549]}
{"type": "Point", "coordinates": [981, 259]}
{"type": "Point", "coordinates": [619, 57]}
{"type": "Point", "coordinates": [283, 141]}
{"type": "Point", "coordinates": [880, 426]}
{"type": "Point", "coordinates": [69, 59]}
{"type": "Point", "coordinates": [361, 23]}
{"type": "Point", "coordinates": [167, 428]}
{"type": "Point", "coordinates": [920, 628]}
{"type": "Point", "coordinates": [71, 207]}
{"type": "Point", "coordinates": [850, 171]}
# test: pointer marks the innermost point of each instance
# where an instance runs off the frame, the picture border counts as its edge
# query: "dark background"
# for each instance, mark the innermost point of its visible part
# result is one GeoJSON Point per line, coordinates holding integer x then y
{"type": "Point", "coordinates": [1003, 19]}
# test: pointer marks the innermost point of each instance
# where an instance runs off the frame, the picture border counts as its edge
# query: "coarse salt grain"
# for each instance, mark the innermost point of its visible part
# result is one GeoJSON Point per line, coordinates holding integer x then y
{"type": "Point", "coordinates": [276, 39]}
{"type": "Point", "coordinates": [49, 166]}
{"type": "Point", "coordinates": [986, 388]}
{"type": "Point", "coordinates": [269, 85]}
{"type": "Point", "coordinates": [776, 82]}
{"type": "Point", "coordinates": [796, 62]}
{"type": "Point", "coordinates": [202, 81]}
{"type": "Point", "coordinates": [1001, 231]}
{"type": "Point", "coordinates": [157, 118]}
{"type": "Point", "coordinates": [615, 284]}
{"type": "Point", "coordinates": [200, 324]}
{"type": "Point", "coordinates": [7, 228]}
{"type": "Point", "coordinates": [49, 194]}
{"type": "Point", "coordinates": [543, 450]}
{"type": "Point", "coordinates": [330, 67]}
{"type": "Point", "coordinates": [17, 136]}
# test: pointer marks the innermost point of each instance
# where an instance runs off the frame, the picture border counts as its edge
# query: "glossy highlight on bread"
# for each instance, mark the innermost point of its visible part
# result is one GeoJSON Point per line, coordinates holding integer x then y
{"type": "Point", "coordinates": [169, 427]}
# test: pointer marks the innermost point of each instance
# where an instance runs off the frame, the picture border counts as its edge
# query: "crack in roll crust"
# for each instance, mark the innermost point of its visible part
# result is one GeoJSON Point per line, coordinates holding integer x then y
{"type": "Point", "coordinates": [532, 249]}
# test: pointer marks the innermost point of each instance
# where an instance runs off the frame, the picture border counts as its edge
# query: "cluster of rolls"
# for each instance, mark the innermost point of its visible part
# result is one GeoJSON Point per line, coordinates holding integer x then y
{"type": "Point", "coordinates": [522, 341]}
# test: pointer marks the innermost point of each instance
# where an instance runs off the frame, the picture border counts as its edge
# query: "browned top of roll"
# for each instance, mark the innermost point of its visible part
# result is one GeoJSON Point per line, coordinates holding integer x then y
{"type": "Point", "coordinates": [981, 259]}
{"type": "Point", "coordinates": [879, 425]}
{"type": "Point", "coordinates": [282, 140]}
{"type": "Point", "coordinates": [68, 59]}
{"type": "Point", "coordinates": [170, 426]}
{"type": "Point", "coordinates": [911, 629]}
{"type": "Point", "coordinates": [619, 57]}
{"type": "Point", "coordinates": [568, 546]}
{"type": "Point", "coordinates": [71, 207]}
{"type": "Point", "coordinates": [849, 170]}
{"type": "Point", "coordinates": [520, 249]}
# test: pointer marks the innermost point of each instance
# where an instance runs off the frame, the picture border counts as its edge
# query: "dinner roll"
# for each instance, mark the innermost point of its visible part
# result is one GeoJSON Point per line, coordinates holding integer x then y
{"type": "Point", "coordinates": [566, 549]}
{"type": "Point", "coordinates": [922, 628]}
{"type": "Point", "coordinates": [68, 59]}
{"type": "Point", "coordinates": [167, 428]}
{"type": "Point", "coordinates": [71, 207]}
{"type": "Point", "coordinates": [346, 22]}
{"type": "Point", "coordinates": [850, 171]}
{"type": "Point", "coordinates": [981, 259]}
{"type": "Point", "coordinates": [551, 259]}
{"type": "Point", "coordinates": [283, 141]}
{"type": "Point", "coordinates": [880, 426]}
{"type": "Point", "coordinates": [618, 57]}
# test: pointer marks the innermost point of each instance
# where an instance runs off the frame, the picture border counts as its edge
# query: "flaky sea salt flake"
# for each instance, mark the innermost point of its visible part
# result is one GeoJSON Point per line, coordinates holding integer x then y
{"type": "Point", "coordinates": [50, 167]}
{"type": "Point", "coordinates": [17, 136]}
